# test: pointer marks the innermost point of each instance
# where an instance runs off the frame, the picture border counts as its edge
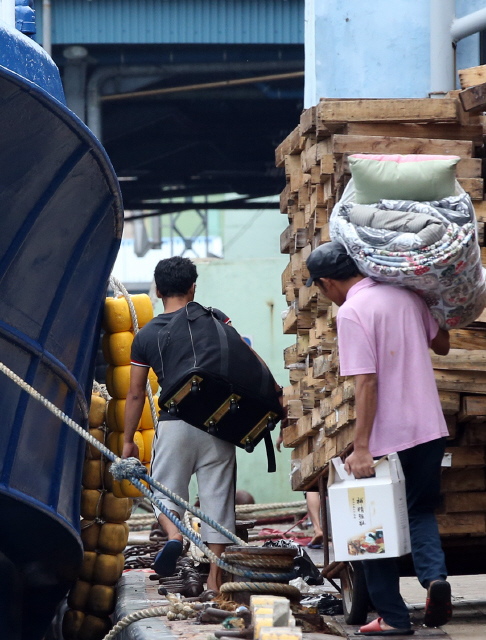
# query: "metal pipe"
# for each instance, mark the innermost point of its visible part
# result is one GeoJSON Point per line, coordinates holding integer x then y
{"type": "Point", "coordinates": [202, 86]}
{"type": "Point", "coordinates": [47, 26]}
{"type": "Point", "coordinates": [442, 14]}
{"type": "Point", "coordinates": [466, 26]}
{"type": "Point", "coordinates": [310, 88]}
{"type": "Point", "coordinates": [101, 75]}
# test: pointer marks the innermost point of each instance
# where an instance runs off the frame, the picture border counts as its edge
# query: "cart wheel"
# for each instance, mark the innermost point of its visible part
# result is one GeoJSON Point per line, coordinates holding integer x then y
{"type": "Point", "coordinates": [356, 601]}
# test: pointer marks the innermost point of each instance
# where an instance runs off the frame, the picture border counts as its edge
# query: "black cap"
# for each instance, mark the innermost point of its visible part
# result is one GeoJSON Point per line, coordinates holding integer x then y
{"type": "Point", "coordinates": [330, 260]}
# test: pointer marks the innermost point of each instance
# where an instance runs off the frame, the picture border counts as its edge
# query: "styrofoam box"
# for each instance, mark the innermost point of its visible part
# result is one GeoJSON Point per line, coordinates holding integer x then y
{"type": "Point", "coordinates": [369, 516]}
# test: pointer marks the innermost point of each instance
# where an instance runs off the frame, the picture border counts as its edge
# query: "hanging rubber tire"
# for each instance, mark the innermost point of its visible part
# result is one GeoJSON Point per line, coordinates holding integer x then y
{"type": "Point", "coordinates": [356, 601]}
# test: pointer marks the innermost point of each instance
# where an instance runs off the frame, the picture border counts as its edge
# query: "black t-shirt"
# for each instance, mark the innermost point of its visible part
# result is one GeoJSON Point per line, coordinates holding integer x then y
{"type": "Point", "coordinates": [145, 347]}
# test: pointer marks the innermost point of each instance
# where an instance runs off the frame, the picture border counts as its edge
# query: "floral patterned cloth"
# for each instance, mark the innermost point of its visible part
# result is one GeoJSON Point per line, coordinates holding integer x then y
{"type": "Point", "coordinates": [448, 274]}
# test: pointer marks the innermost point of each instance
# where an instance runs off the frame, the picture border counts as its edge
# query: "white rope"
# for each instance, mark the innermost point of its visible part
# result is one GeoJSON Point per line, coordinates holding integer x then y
{"type": "Point", "coordinates": [153, 612]}
{"type": "Point", "coordinates": [250, 508]}
{"type": "Point", "coordinates": [195, 552]}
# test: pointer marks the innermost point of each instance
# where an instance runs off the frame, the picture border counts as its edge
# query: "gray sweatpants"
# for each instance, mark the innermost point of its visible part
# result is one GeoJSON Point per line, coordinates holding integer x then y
{"type": "Point", "coordinates": [179, 450]}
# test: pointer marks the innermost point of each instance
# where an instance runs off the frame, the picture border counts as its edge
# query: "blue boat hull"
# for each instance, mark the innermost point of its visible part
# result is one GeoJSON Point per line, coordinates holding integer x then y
{"type": "Point", "coordinates": [61, 221]}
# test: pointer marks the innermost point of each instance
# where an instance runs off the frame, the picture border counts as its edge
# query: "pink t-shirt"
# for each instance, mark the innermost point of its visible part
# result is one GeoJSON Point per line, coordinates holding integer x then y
{"type": "Point", "coordinates": [387, 330]}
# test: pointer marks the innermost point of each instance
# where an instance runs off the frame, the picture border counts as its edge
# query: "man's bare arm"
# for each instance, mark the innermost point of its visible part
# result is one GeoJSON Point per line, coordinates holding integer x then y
{"type": "Point", "coordinates": [134, 408]}
{"type": "Point", "coordinates": [360, 462]}
{"type": "Point", "coordinates": [441, 344]}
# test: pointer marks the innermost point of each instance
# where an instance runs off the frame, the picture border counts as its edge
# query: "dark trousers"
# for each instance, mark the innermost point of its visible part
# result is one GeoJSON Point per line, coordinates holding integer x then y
{"type": "Point", "coordinates": [421, 467]}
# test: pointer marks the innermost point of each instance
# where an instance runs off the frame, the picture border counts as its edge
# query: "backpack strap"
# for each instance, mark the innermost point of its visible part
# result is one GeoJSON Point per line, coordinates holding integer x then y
{"type": "Point", "coordinates": [194, 310]}
{"type": "Point", "coordinates": [272, 464]}
{"type": "Point", "coordinates": [223, 343]}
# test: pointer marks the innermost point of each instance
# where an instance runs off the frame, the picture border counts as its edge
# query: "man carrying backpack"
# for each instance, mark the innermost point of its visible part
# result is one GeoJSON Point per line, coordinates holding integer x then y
{"type": "Point", "coordinates": [179, 449]}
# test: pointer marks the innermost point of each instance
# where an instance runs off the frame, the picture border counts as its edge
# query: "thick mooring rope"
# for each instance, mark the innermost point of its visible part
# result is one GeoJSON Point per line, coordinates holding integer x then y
{"type": "Point", "coordinates": [262, 587]}
{"type": "Point", "coordinates": [153, 612]}
{"type": "Point", "coordinates": [133, 470]}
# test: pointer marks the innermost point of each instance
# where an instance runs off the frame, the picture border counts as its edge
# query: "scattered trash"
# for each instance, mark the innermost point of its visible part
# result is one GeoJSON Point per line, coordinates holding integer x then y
{"type": "Point", "coordinates": [327, 604]}
{"type": "Point", "coordinates": [303, 566]}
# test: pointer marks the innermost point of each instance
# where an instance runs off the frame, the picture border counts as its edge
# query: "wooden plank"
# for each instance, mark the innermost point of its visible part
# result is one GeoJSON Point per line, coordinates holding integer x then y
{"type": "Point", "coordinates": [286, 238]}
{"type": "Point", "coordinates": [467, 457]}
{"type": "Point", "coordinates": [343, 392]}
{"type": "Point", "coordinates": [295, 375]}
{"type": "Point", "coordinates": [473, 97]}
{"type": "Point", "coordinates": [322, 364]}
{"type": "Point", "coordinates": [472, 76]}
{"type": "Point", "coordinates": [293, 171]}
{"type": "Point", "coordinates": [307, 469]}
{"type": "Point", "coordinates": [473, 186]}
{"type": "Point", "coordinates": [386, 144]}
{"type": "Point", "coordinates": [294, 434]}
{"type": "Point", "coordinates": [286, 277]}
{"type": "Point", "coordinates": [453, 480]}
{"type": "Point", "coordinates": [295, 410]}
{"type": "Point", "coordinates": [450, 402]}
{"type": "Point", "coordinates": [465, 502]}
{"type": "Point", "coordinates": [340, 417]}
{"type": "Point", "coordinates": [452, 131]}
{"type": "Point", "coordinates": [469, 168]}
{"type": "Point", "coordinates": [290, 322]}
{"type": "Point", "coordinates": [303, 449]}
{"type": "Point", "coordinates": [296, 142]}
{"type": "Point", "coordinates": [457, 524]}
{"type": "Point", "coordinates": [281, 151]}
{"type": "Point", "coordinates": [290, 356]}
{"type": "Point", "coordinates": [470, 339]}
{"type": "Point", "coordinates": [474, 434]}
{"type": "Point", "coordinates": [462, 381]}
{"type": "Point", "coordinates": [480, 233]}
{"type": "Point", "coordinates": [286, 199]}
{"type": "Point", "coordinates": [480, 210]}
{"type": "Point", "coordinates": [460, 359]}
{"type": "Point", "coordinates": [472, 407]}
{"type": "Point", "coordinates": [389, 110]}
{"type": "Point", "coordinates": [451, 422]}
{"type": "Point", "coordinates": [307, 295]}
{"type": "Point", "coordinates": [308, 121]}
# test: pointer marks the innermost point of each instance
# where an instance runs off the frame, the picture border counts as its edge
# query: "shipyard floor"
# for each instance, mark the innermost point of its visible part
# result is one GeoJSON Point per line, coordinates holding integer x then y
{"type": "Point", "coordinates": [468, 622]}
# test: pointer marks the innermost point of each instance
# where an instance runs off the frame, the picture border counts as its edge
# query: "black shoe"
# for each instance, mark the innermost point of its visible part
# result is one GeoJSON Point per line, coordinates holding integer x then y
{"type": "Point", "coordinates": [438, 608]}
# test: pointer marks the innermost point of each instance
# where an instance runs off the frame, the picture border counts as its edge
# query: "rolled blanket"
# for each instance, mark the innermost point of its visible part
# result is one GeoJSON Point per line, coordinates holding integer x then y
{"type": "Point", "coordinates": [428, 228]}
{"type": "Point", "coordinates": [445, 270]}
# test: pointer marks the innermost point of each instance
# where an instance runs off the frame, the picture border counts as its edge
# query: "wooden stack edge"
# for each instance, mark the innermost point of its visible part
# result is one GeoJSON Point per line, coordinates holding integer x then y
{"type": "Point", "coordinates": [320, 402]}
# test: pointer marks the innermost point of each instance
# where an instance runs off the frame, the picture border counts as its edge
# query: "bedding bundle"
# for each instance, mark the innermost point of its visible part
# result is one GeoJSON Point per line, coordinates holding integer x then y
{"type": "Point", "coordinates": [427, 245]}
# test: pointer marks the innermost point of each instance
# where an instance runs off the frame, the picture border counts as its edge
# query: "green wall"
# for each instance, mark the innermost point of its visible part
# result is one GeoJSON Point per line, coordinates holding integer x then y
{"type": "Point", "coordinates": [246, 285]}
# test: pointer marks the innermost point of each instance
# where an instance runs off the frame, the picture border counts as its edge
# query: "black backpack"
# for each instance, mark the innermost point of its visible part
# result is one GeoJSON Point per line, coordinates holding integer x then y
{"type": "Point", "coordinates": [217, 383]}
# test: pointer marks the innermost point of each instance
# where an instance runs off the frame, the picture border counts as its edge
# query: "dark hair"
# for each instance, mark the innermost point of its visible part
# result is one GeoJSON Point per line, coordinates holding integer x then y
{"type": "Point", "coordinates": [175, 276]}
{"type": "Point", "coordinates": [346, 272]}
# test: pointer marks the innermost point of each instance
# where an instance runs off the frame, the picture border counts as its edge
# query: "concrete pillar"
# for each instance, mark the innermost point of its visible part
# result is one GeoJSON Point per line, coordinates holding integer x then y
{"type": "Point", "coordinates": [378, 49]}
{"type": "Point", "coordinates": [74, 81]}
{"type": "Point", "coordinates": [7, 13]}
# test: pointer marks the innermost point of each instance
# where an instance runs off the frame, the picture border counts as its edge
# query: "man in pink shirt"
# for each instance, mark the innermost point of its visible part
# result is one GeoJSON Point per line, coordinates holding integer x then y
{"type": "Point", "coordinates": [384, 335]}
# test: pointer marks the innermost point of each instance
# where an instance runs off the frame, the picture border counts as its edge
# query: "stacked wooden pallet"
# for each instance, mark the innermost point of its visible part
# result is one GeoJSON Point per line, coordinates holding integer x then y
{"type": "Point", "coordinates": [320, 403]}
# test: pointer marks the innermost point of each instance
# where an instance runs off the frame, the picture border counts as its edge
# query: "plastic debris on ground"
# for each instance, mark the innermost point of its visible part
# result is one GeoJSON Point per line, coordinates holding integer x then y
{"type": "Point", "coordinates": [326, 604]}
{"type": "Point", "coordinates": [303, 566]}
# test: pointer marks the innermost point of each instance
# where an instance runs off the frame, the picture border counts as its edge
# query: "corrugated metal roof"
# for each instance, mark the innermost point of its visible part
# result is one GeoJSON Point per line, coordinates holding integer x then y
{"type": "Point", "coordinates": [177, 21]}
